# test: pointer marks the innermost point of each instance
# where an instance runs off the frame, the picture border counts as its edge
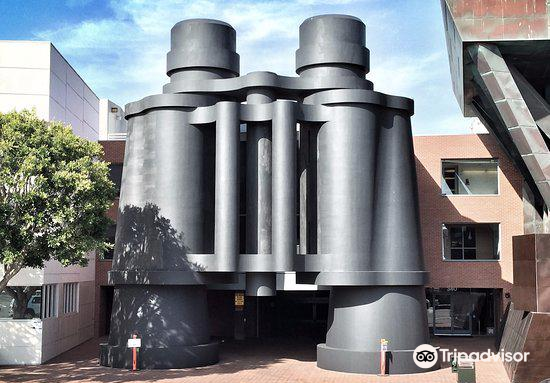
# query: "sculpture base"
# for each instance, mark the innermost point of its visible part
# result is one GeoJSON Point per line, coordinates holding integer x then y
{"type": "Point", "coordinates": [171, 321]}
{"type": "Point", "coordinates": [360, 316]}
{"type": "Point", "coordinates": [160, 358]}
{"type": "Point", "coordinates": [367, 362]}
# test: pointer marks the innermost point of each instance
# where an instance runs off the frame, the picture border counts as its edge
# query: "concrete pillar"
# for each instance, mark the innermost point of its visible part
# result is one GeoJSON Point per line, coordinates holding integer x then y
{"type": "Point", "coordinates": [363, 152]}
{"type": "Point", "coordinates": [396, 242]}
{"type": "Point", "coordinates": [226, 235]}
{"type": "Point", "coordinates": [284, 185]}
{"type": "Point", "coordinates": [345, 182]}
{"type": "Point", "coordinates": [259, 196]}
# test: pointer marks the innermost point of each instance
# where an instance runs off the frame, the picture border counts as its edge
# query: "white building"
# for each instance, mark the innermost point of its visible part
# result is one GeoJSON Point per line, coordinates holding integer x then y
{"type": "Point", "coordinates": [112, 125]}
{"type": "Point", "coordinates": [33, 74]}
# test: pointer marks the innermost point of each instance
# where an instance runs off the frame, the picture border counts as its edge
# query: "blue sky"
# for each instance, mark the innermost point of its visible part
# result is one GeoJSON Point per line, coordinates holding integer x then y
{"type": "Point", "coordinates": [119, 46]}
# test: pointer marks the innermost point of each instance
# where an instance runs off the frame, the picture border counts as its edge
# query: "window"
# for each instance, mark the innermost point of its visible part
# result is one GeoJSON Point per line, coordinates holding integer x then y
{"type": "Point", "coordinates": [70, 298]}
{"type": "Point", "coordinates": [115, 175]}
{"type": "Point", "coordinates": [110, 237]}
{"type": "Point", "coordinates": [50, 301]}
{"type": "Point", "coordinates": [469, 177]}
{"type": "Point", "coordinates": [463, 311]}
{"type": "Point", "coordinates": [21, 302]}
{"type": "Point", "coordinates": [471, 242]}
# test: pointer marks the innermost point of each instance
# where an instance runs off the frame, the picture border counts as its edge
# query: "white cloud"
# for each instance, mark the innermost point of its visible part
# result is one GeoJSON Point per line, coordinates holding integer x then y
{"type": "Point", "coordinates": [401, 75]}
{"type": "Point", "coordinates": [123, 57]}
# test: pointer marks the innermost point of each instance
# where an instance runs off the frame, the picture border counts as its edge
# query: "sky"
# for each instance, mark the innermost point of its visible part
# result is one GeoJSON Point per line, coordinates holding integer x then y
{"type": "Point", "coordinates": [119, 46]}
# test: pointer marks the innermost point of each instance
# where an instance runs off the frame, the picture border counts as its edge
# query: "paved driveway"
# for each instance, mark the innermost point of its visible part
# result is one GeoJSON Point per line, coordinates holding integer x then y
{"type": "Point", "coordinates": [254, 361]}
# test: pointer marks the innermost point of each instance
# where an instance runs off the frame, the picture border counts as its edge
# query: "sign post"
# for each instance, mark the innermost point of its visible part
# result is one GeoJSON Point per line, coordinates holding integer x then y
{"type": "Point", "coordinates": [239, 316]}
{"type": "Point", "coordinates": [383, 352]}
{"type": "Point", "coordinates": [134, 343]}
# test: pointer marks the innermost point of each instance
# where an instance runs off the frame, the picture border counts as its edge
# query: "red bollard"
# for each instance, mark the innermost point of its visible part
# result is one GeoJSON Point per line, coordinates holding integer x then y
{"type": "Point", "coordinates": [134, 343]}
{"type": "Point", "coordinates": [134, 355]}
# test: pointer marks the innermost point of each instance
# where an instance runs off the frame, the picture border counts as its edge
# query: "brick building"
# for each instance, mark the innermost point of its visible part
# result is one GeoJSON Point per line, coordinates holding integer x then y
{"type": "Point", "coordinates": [484, 280]}
{"type": "Point", "coordinates": [470, 198]}
{"type": "Point", "coordinates": [114, 153]}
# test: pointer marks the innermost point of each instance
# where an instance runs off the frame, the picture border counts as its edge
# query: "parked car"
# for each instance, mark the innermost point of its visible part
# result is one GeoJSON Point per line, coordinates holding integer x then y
{"type": "Point", "coordinates": [33, 306]}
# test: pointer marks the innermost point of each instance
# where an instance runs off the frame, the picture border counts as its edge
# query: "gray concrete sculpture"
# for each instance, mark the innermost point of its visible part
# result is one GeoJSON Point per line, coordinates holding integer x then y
{"type": "Point", "coordinates": [348, 170]}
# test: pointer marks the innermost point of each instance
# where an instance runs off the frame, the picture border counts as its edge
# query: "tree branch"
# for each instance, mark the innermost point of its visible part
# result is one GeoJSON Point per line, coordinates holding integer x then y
{"type": "Point", "coordinates": [10, 271]}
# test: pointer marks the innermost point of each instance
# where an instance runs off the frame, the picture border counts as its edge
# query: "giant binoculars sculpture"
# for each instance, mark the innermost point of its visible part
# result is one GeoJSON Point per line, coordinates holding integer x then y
{"type": "Point", "coordinates": [329, 185]}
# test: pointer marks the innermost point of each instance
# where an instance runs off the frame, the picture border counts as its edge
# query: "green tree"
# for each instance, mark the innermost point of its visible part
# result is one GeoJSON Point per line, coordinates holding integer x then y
{"type": "Point", "coordinates": [54, 191]}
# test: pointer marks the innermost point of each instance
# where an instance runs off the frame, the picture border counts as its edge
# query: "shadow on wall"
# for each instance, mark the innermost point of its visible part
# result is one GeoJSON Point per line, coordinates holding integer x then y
{"type": "Point", "coordinates": [509, 171]}
{"type": "Point", "coordinates": [166, 315]}
{"type": "Point", "coordinates": [147, 241]}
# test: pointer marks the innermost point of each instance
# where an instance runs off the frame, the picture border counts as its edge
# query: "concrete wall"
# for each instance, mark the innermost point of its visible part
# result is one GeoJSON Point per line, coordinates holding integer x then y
{"type": "Point", "coordinates": [69, 330]}
{"type": "Point", "coordinates": [26, 277]}
{"type": "Point", "coordinates": [71, 100]}
{"type": "Point", "coordinates": [112, 125]}
{"type": "Point", "coordinates": [20, 341]}
{"type": "Point", "coordinates": [25, 76]}
{"type": "Point", "coordinates": [36, 341]}
{"type": "Point", "coordinates": [33, 74]}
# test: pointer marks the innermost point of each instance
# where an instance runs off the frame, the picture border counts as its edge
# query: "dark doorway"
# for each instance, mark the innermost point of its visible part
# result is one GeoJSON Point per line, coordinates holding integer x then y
{"type": "Point", "coordinates": [105, 309]}
{"type": "Point", "coordinates": [302, 314]}
{"type": "Point", "coordinates": [290, 314]}
{"type": "Point", "coordinates": [463, 311]}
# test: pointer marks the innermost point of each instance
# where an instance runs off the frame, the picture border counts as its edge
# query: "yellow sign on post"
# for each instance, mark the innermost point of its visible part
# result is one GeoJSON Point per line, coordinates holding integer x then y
{"type": "Point", "coordinates": [239, 300]}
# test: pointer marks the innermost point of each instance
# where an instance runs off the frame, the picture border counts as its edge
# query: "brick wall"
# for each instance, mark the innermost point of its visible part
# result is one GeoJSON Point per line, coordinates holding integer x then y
{"type": "Point", "coordinates": [436, 209]}
{"type": "Point", "coordinates": [113, 153]}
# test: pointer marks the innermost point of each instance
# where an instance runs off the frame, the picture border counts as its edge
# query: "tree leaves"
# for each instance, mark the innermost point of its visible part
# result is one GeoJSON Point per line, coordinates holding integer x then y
{"type": "Point", "coordinates": [54, 191]}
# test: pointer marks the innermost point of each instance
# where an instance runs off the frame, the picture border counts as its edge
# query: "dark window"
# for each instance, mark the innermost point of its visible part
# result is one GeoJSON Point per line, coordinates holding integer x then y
{"type": "Point", "coordinates": [50, 301]}
{"type": "Point", "coordinates": [449, 177]}
{"type": "Point", "coordinates": [471, 241]}
{"type": "Point", "coordinates": [111, 231]}
{"type": "Point", "coordinates": [115, 175]}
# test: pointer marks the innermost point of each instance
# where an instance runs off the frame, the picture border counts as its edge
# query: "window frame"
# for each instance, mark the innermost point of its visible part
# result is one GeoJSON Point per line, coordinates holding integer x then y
{"type": "Point", "coordinates": [46, 301]}
{"type": "Point", "coordinates": [458, 160]}
{"type": "Point", "coordinates": [110, 238]}
{"type": "Point", "coordinates": [498, 248]}
{"type": "Point", "coordinates": [71, 298]}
